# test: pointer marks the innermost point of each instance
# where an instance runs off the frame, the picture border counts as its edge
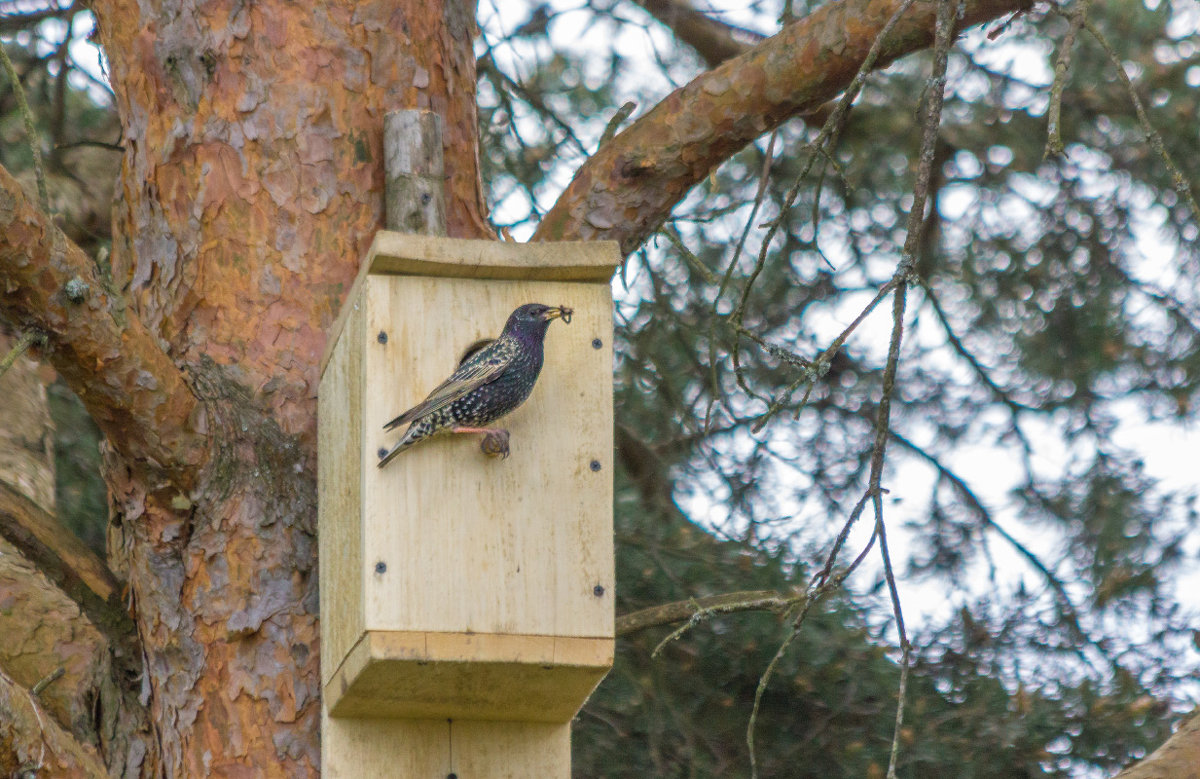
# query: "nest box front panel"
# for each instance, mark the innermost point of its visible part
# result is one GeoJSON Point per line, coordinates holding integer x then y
{"type": "Point", "coordinates": [453, 540]}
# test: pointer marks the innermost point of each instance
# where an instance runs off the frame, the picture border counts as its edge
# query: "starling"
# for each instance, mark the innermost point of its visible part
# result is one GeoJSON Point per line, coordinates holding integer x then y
{"type": "Point", "coordinates": [488, 384]}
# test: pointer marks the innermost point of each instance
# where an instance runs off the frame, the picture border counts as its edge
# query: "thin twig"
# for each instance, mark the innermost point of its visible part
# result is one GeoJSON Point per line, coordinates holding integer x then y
{"type": "Point", "coordinates": [96, 144]}
{"type": "Point", "coordinates": [27, 339]}
{"type": "Point", "coordinates": [15, 23]}
{"type": "Point", "coordinates": [814, 594]}
{"type": "Point", "coordinates": [487, 66]}
{"type": "Point", "coordinates": [1014, 406]}
{"type": "Point", "coordinates": [821, 363]}
{"type": "Point", "coordinates": [615, 123]}
{"type": "Point", "coordinates": [30, 128]}
{"type": "Point", "coordinates": [58, 113]}
{"type": "Point", "coordinates": [775, 350]}
{"type": "Point", "coordinates": [762, 687]}
{"type": "Point", "coordinates": [822, 577]}
{"type": "Point", "coordinates": [899, 285]}
{"type": "Point", "coordinates": [947, 12]}
{"type": "Point", "coordinates": [1182, 186]}
{"type": "Point", "coordinates": [47, 680]}
{"type": "Point", "coordinates": [957, 344]}
{"type": "Point", "coordinates": [728, 603]}
{"type": "Point", "coordinates": [828, 132]}
{"type": "Point", "coordinates": [902, 274]}
{"type": "Point", "coordinates": [692, 260]}
{"type": "Point", "coordinates": [902, 694]}
{"type": "Point", "coordinates": [1062, 66]}
{"type": "Point", "coordinates": [764, 178]}
{"type": "Point", "coordinates": [889, 575]}
{"type": "Point", "coordinates": [989, 522]}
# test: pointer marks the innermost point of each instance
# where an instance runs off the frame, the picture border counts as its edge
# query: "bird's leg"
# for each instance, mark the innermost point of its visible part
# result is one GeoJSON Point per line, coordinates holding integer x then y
{"type": "Point", "coordinates": [495, 439]}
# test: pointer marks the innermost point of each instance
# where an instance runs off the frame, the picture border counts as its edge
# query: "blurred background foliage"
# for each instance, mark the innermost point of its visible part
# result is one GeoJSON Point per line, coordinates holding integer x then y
{"type": "Point", "coordinates": [1042, 552]}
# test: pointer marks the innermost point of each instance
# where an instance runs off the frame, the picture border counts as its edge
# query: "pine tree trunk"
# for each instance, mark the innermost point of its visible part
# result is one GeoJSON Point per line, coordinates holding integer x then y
{"type": "Point", "coordinates": [250, 188]}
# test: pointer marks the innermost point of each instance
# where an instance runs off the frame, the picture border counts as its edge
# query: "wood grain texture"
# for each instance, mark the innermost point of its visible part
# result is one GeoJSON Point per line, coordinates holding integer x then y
{"type": "Point", "coordinates": [586, 261]}
{"type": "Point", "coordinates": [510, 750]}
{"type": "Point", "coordinates": [339, 496]}
{"type": "Point", "coordinates": [436, 749]}
{"type": "Point", "coordinates": [468, 676]}
{"type": "Point", "coordinates": [455, 585]}
{"type": "Point", "coordinates": [434, 257]}
{"type": "Point", "coordinates": [459, 542]}
{"type": "Point", "coordinates": [384, 748]}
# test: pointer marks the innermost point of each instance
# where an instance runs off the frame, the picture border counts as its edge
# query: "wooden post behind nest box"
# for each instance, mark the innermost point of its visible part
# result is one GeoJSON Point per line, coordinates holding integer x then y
{"type": "Point", "coordinates": [466, 602]}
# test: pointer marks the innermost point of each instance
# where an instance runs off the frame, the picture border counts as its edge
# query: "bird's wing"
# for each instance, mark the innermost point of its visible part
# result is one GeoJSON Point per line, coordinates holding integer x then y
{"type": "Point", "coordinates": [483, 367]}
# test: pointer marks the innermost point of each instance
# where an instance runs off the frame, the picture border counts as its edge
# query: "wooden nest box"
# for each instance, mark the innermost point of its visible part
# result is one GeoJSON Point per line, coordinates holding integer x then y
{"type": "Point", "coordinates": [454, 585]}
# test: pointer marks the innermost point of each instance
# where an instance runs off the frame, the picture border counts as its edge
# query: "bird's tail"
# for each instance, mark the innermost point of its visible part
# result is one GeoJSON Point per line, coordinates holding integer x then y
{"type": "Point", "coordinates": [417, 432]}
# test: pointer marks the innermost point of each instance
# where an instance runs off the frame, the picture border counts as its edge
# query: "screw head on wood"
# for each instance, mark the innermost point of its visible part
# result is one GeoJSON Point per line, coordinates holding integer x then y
{"type": "Point", "coordinates": [598, 591]}
{"type": "Point", "coordinates": [594, 465]}
{"type": "Point", "coordinates": [381, 567]}
{"type": "Point", "coordinates": [597, 343]}
{"type": "Point", "coordinates": [382, 337]}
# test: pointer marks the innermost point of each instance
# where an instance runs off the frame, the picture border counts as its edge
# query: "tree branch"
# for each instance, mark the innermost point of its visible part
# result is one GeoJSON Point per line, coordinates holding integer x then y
{"type": "Point", "coordinates": [32, 742]}
{"type": "Point", "coordinates": [124, 378]}
{"type": "Point", "coordinates": [1177, 757]}
{"type": "Point", "coordinates": [33, 138]}
{"type": "Point", "coordinates": [712, 39]}
{"type": "Point", "coordinates": [728, 603]}
{"type": "Point", "coordinates": [11, 23]}
{"type": "Point", "coordinates": [47, 637]}
{"type": "Point", "coordinates": [66, 562]}
{"type": "Point", "coordinates": [627, 189]}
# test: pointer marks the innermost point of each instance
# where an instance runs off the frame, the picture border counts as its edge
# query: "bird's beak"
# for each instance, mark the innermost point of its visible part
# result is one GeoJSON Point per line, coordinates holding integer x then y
{"type": "Point", "coordinates": [562, 312]}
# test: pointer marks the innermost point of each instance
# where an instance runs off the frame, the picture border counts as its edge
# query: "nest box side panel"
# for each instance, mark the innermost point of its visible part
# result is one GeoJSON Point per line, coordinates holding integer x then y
{"type": "Point", "coordinates": [457, 541]}
{"type": "Point", "coordinates": [434, 749]}
{"type": "Point", "coordinates": [502, 750]}
{"type": "Point", "coordinates": [385, 749]}
{"type": "Point", "coordinates": [340, 493]}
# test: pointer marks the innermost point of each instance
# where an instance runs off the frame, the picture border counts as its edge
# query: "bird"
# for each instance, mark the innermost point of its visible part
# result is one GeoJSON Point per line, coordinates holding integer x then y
{"type": "Point", "coordinates": [489, 383]}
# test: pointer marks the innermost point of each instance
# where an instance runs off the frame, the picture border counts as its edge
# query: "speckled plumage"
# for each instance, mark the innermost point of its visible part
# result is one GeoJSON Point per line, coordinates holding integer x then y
{"type": "Point", "coordinates": [490, 383]}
